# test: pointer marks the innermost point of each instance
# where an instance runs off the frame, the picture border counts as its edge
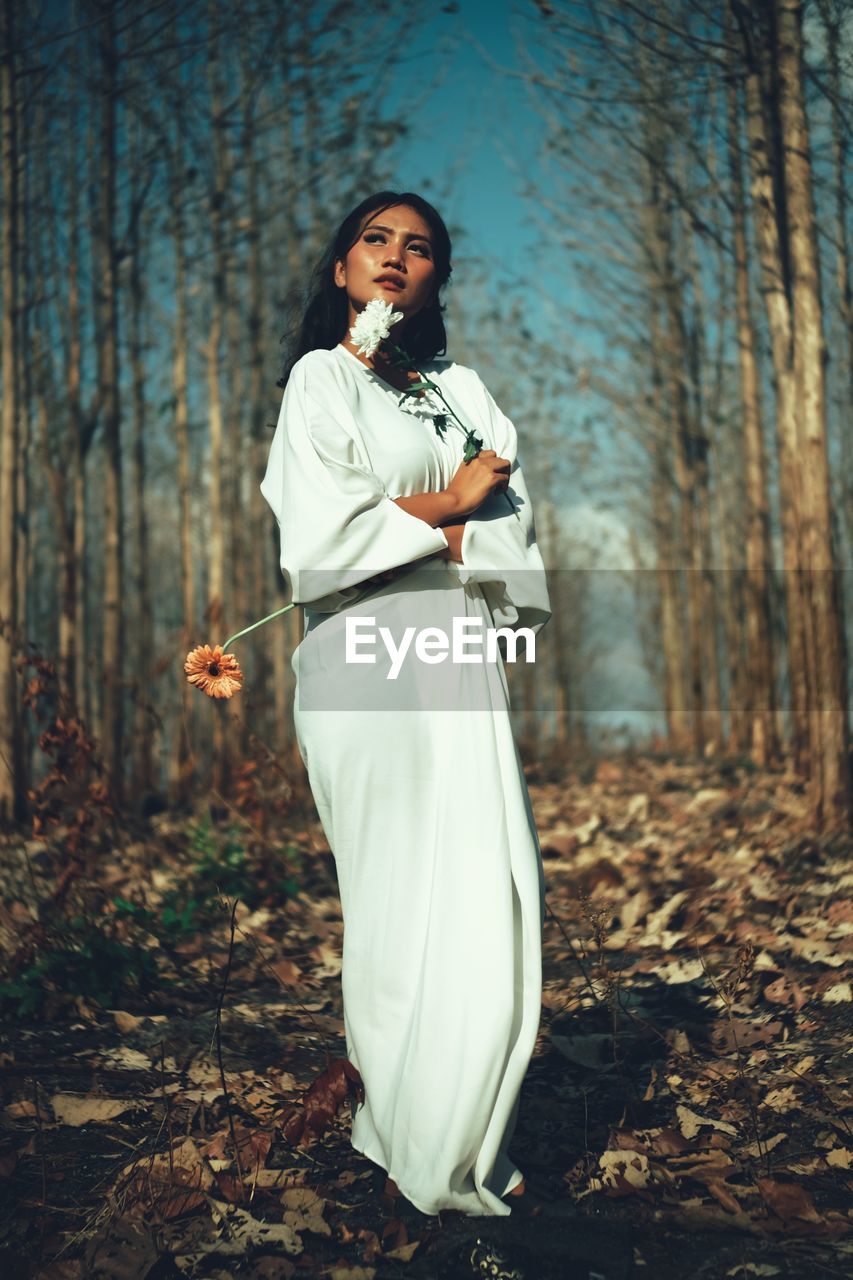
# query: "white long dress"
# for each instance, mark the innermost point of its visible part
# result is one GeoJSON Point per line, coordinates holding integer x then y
{"type": "Point", "coordinates": [417, 779]}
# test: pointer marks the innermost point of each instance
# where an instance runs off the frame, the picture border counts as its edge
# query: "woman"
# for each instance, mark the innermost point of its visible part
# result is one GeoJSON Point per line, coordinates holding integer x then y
{"type": "Point", "coordinates": [385, 531]}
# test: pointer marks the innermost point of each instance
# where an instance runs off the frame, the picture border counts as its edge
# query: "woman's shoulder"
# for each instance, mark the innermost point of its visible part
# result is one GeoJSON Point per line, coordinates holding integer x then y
{"type": "Point", "coordinates": [447, 367]}
{"type": "Point", "coordinates": [462, 380]}
{"type": "Point", "coordinates": [313, 361]}
{"type": "Point", "coordinates": [317, 371]}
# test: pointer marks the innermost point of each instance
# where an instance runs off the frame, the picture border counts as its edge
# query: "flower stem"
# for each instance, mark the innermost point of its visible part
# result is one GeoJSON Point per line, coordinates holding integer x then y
{"type": "Point", "coordinates": [260, 623]}
{"type": "Point", "coordinates": [407, 361]}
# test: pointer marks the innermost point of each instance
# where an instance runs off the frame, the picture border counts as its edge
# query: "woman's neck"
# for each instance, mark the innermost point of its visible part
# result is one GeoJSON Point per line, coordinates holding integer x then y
{"type": "Point", "coordinates": [381, 364]}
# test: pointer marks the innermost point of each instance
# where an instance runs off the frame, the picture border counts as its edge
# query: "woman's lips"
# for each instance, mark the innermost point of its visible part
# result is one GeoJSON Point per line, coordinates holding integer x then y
{"type": "Point", "coordinates": [389, 284]}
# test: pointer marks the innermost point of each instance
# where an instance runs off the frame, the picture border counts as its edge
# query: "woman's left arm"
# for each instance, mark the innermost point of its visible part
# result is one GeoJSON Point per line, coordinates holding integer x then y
{"type": "Point", "coordinates": [499, 545]}
{"type": "Point", "coordinates": [453, 533]}
{"type": "Point", "coordinates": [453, 551]}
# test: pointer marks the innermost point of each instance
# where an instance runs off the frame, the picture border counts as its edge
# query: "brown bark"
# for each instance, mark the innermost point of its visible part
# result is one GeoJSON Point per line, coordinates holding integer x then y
{"type": "Point", "coordinates": [145, 724]}
{"type": "Point", "coordinates": [25, 551]}
{"type": "Point", "coordinates": [769, 218]}
{"type": "Point", "coordinates": [760, 685]}
{"type": "Point", "coordinates": [239, 613]}
{"type": "Point", "coordinates": [217, 461]}
{"type": "Point", "coordinates": [258, 602]}
{"type": "Point", "coordinates": [830, 734]}
{"type": "Point", "coordinates": [682, 435]}
{"type": "Point", "coordinates": [672, 635]}
{"type": "Point", "coordinates": [11, 770]}
{"type": "Point", "coordinates": [282, 644]}
{"type": "Point", "coordinates": [831, 14]}
{"type": "Point", "coordinates": [72, 570]}
{"type": "Point", "coordinates": [112, 732]}
{"type": "Point", "coordinates": [181, 760]}
{"type": "Point", "coordinates": [63, 451]}
{"type": "Point", "coordinates": [702, 552]}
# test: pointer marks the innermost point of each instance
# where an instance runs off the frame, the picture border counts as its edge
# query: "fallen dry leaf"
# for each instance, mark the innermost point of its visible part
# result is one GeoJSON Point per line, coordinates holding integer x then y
{"type": "Point", "coordinates": [21, 1110]}
{"type": "Point", "coordinates": [76, 1109]}
{"type": "Point", "coordinates": [690, 1123]}
{"type": "Point", "coordinates": [126, 1021]}
{"type": "Point", "coordinates": [788, 1200]}
{"type": "Point", "coordinates": [304, 1210]}
{"type": "Point", "coordinates": [838, 993]}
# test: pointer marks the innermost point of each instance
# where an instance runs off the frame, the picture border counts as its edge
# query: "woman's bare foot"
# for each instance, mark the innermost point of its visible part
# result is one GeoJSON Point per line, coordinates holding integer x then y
{"type": "Point", "coordinates": [519, 1190]}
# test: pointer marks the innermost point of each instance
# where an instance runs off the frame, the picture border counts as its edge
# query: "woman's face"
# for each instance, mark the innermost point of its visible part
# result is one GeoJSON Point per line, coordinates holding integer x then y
{"type": "Point", "coordinates": [395, 242]}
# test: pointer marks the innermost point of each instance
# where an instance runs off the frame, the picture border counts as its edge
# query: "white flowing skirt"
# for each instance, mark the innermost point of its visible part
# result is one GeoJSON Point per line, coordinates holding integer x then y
{"type": "Point", "coordinates": [419, 787]}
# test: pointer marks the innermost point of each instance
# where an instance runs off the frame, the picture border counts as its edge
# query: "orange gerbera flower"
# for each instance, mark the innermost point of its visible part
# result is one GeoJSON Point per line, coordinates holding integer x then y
{"type": "Point", "coordinates": [216, 673]}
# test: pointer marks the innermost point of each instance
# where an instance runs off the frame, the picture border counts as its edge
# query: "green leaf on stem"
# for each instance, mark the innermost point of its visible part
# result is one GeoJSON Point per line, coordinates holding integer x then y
{"type": "Point", "coordinates": [473, 445]}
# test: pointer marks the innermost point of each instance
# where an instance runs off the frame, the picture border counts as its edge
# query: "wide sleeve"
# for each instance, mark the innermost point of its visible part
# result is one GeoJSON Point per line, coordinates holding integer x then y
{"type": "Point", "coordinates": [499, 547]}
{"type": "Point", "coordinates": [338, 525]}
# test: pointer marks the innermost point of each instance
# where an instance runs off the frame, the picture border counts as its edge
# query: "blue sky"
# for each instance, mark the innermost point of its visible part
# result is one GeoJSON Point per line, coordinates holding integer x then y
{"type": "Point", "coordinates": [472, 121]}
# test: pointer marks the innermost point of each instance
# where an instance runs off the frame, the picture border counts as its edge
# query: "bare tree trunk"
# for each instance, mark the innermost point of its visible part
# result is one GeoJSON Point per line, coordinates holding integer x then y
{"type": "Point", "coordinates": [685, 475]}
{"type": "Point", "coordinates": [216, 541]}
{"type": "Point", "coordinates": [57, 480]}
{"type": "Point", "coordinates": [682, 435]}
{"type": "Point", "coordinates": [59, 466]}
{"type": "Point", "coordinates": [284, 642]}
{"type": "Point", "coordinates": [83, 434]}
{"type": "Point", "coordinates": [235, 530]}
{"type": "Point", "coordinates": [144, 723]}
{"type": "Point", "coordinates": [703, 553]}
{"type": "Point", "coordinates": [259, 598]}
{"type": "Point", "coordinates": [181, 761]}
{"type": "Point", "coordinates": [830, 764]}
{"type": "Point", "coordinates": [831, 14]}
{"type": "Point", "coordinates": [676, 713]}
{"type": "Point", "coordinates": [312, 115]}
{"type": "Point", "coordinates": [760, 685]}
{"type": "Point", "coordinates": [65, 467]}
{"type": "Point", "coordinates": [11, 763]}
{"type": "Point", "coordinates": [108, 375]}
{"type": "Point", "coordinates": [769, 219]}
{"type": "Point", "coordinates": [25, 551]}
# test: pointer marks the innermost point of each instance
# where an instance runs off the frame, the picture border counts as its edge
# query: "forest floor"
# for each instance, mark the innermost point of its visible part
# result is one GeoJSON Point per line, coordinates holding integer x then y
{"type": "Point", "coordinates": [175, 1100]}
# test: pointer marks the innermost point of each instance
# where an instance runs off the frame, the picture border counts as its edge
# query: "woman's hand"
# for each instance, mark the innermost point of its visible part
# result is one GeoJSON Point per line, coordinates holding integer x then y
{"type": "Point", "coordinates": [475, 480]}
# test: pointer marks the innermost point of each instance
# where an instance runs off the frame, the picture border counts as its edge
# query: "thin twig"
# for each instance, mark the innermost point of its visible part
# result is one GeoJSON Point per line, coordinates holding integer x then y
{"type": "Point", "coordinates": [218, 1037]}
{"type": "Point", "coordinates": [43, 1164]}
{"type": "Point", "coordinates": [725, 994]}
{"type": "Point", "coordinates": [168, 1105]}
{"type": "Point", "coordinates": [575, 956]}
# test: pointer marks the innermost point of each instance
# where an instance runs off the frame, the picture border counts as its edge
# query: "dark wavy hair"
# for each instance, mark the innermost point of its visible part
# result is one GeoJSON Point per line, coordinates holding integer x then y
{"type": "Point", "coordinates": [324, 315]}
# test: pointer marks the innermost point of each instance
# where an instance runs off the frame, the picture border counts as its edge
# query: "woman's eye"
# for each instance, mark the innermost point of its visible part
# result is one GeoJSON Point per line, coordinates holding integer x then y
{"type": "Point", "coordinates": [371, 236]}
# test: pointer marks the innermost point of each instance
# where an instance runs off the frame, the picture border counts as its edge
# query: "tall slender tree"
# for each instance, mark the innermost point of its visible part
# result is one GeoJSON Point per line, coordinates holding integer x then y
{"type": "Point", "coordinates": [829, 725]}
{"type": "Point", "coordinates": [109, 379]}
{"type": "Point", "coordinates": [759, 688]}
{"type": "Point", "coordinates": [11, 772]}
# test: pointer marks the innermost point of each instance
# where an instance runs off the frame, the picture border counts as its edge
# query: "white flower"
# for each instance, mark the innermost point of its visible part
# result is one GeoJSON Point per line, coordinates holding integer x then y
{"type": "Point", "coordinates": [373, 325]}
